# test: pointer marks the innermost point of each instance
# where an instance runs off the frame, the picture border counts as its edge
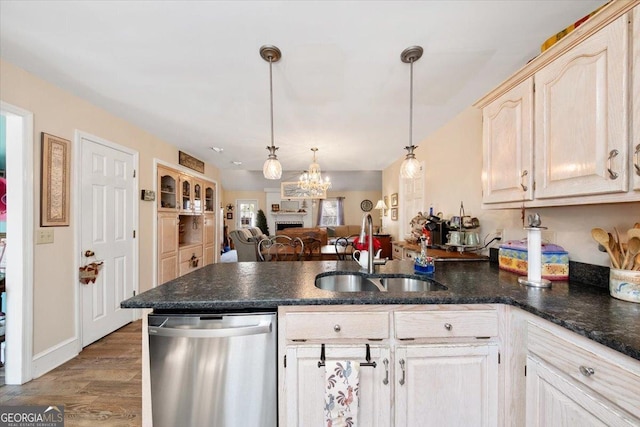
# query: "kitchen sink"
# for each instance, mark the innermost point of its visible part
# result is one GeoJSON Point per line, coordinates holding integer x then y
{"type": "Point", "coordinates": [353, 282]}
{"type": "Point", "coordinates": [411, 284]}
{"type": "Point", "coordinates": [346, 283]}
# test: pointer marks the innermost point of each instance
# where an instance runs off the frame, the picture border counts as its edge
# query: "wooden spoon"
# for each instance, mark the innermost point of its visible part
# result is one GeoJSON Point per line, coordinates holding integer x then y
{"type": "Point", "coordinates": [602, 237]}
{"type": "Point", "coordinates": [618, 243]}
{"type": "Point", "coordinates": [615, 249]}
{"type": "Point", "coordinates": [634, 232]}
{"type": "Point", "coordinates": [633, 246]}
{"type": "Point", "coordinates": [637, 265]}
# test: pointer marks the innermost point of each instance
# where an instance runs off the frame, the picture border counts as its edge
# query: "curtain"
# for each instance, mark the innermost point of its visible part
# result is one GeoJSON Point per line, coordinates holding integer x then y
{"type": "Point", "coordinates": [341, 211]}
{"type": "Point", "coordinates": [319, 213]}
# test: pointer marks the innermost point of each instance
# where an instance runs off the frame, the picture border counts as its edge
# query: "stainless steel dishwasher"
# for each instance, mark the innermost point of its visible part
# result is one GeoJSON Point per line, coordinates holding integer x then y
{"type": "Point", "coordinates": [213, 369]}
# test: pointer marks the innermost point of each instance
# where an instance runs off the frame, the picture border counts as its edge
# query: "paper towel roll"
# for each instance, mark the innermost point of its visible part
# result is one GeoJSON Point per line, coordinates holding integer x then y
{"type": "Point", "coordinates": [534, 254]}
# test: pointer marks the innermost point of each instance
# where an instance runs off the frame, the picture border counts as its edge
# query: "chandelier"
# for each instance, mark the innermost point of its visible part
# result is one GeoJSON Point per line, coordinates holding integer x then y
{"type": "Point", "coordinates": [311, 181]}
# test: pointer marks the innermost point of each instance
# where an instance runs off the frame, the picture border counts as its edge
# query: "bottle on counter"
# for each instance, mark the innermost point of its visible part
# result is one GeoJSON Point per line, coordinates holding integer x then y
{"type": "Point", "coordinates": [424, 264]}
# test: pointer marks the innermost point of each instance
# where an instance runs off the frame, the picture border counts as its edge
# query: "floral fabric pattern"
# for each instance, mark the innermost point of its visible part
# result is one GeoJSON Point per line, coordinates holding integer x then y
{"type": "Point", "coordinates": [341, 393]}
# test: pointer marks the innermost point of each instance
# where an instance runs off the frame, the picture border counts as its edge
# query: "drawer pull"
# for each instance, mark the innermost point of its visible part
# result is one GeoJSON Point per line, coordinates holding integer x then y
{"type": "Point", "coordinates": [586, 371]}
{"type": "Point", "coordinates": [636, 164]}
{"type": "Point", "coordinates": [336, 328]}
{"type": "Point", "coordinates": [612, 154]}
{"type": "Point", "coordinates": [448, 326]}
{"type": "Point", "coordinates": [385, 381]}
{"type": "Point", "coordinates": [402, 367]}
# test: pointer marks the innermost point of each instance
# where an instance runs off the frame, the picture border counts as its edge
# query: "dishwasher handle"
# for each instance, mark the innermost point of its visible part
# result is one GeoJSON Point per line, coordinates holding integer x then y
{"type": "Point", "coordinates": [264, 327]}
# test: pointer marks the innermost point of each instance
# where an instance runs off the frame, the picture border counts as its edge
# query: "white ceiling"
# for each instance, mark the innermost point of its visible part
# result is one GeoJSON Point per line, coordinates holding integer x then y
{"type": "Point", "coordinates": [190, 72]}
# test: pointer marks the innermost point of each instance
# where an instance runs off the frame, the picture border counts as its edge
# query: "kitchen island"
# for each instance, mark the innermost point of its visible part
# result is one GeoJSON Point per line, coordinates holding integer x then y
{"type": "Point", "coordinates": [586, 310]}
{"type": "Point", "coordinates": [485, 325]}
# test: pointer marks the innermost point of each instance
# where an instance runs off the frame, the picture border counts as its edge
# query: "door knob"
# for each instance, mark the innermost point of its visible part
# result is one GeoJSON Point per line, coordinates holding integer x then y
{"type": "Point", "coordinates": [89, 253]}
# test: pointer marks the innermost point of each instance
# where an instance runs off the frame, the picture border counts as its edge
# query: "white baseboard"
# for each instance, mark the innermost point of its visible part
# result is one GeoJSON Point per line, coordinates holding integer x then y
{"type": "Point", "coordinates": [55, 356]}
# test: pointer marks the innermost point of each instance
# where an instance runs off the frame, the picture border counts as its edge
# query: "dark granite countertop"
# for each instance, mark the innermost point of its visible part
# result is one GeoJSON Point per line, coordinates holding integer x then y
{"type": "Point", "coordinates": [586, 310]}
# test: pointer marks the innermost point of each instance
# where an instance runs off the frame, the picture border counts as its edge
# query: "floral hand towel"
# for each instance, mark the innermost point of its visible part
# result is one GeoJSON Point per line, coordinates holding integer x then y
{"type": "Point", "coordinates": [341, 393]}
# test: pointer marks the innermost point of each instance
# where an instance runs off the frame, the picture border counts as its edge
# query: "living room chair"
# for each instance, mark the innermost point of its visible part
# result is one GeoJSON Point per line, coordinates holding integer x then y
{"type": "Point", "coordinates": [245, 245]}
{"type": "Point", "coordinates": [281, 248]}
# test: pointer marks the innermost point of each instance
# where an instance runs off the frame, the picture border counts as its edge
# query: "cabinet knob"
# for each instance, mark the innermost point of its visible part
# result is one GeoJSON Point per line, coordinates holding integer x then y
{"type": "Point", "coordinates": [448, 326]}
{"type": "Point", "coordinates": [586, 371]}
{"type": "Point", "coordinates": [336, 328]}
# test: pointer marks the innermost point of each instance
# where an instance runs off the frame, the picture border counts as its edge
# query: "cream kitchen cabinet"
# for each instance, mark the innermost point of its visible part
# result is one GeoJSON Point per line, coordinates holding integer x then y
{"type": "Point", "coordinates": [568, 383]}
{"type": "Point", "coordinates": [581, 118]}
{"type": "Point", "coordinates": [507, 126]}
{"type": "Point", "coordinates": [306, 384]}
{"type": "Point", "coordinates": [446, 385]}
{"type": "Point", "coordinates": [209, 238]}
{"type": "Point", "coordinates": [435, 365]}
{"type": "Point", "coordinates": [635, 99]}
{"type": "Point", "coordinates": [186, 234]}
{"type": "Point", "coordinates": [167, 247]}
{"type": "Point", "coordinates": [582, 94]}
{"type": "Point", "coordinates": [448, 374]}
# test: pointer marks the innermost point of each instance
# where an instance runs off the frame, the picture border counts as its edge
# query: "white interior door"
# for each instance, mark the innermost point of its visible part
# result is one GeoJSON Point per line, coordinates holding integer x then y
{"type": "Point", "coordinates": [107, 229]}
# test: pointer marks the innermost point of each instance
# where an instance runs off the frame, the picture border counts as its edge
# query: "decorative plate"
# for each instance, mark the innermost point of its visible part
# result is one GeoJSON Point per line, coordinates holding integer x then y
{"type": "Point", "coordinates": [366, 205]}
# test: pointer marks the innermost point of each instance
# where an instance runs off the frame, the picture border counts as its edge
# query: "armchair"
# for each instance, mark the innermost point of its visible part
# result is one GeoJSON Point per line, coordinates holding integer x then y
{"type": "Point", "coordinates": [246, 241]}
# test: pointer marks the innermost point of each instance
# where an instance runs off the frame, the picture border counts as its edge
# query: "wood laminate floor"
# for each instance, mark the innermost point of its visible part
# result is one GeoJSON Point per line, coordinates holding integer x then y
{"type": "Point", "coordinates": [102, 386]}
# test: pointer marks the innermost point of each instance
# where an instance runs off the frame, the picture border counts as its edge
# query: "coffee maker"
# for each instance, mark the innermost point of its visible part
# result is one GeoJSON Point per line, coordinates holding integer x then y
{"type": "Point", "coordinates": [439, 234]}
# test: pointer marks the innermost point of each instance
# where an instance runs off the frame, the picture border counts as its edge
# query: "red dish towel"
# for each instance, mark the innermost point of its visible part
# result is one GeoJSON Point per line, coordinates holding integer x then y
{"type": "Point", "coordinates": [341, 393]}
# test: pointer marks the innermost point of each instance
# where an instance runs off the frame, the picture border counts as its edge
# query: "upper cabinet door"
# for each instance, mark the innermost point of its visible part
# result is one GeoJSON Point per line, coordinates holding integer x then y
{"type": "Point", "coordinates": [168, 189]}
{"type": "Point", "coordinates": [581, 110]}
{"type": "Point", "coordinates": [635, 98]}
{"type": "Point", "coordinates": [508, 143]}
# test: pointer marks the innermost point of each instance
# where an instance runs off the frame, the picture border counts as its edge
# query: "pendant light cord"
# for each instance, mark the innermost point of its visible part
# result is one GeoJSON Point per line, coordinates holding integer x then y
{"type": "Point", "coordinates": [411, 107]}
{"type": "Point", "coordinates": [271, 97]}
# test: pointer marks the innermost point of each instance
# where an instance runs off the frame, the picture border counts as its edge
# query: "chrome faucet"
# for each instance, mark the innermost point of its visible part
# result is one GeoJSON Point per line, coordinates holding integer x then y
{"type": "Point", "coordinates": [367, 221]}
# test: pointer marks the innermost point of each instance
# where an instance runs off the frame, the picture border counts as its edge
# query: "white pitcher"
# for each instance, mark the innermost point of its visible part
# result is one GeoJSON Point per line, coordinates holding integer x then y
{"type": "Point", "coordinates": [363, 257]}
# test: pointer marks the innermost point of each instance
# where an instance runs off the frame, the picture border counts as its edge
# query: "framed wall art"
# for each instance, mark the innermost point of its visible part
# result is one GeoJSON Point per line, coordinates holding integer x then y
{"type": "Point", "coordinates": [229, 215]}
{"type": "Point", "coordinates": [191, 162]}
{"type": "Point", "coordinates": [394, 199]}
{"type": "Point", "coordinates": [55, 178]}
{"type": "Point", "coordinates": [290, 190]}
{"type": "Point", "coordinates": [394, 214]}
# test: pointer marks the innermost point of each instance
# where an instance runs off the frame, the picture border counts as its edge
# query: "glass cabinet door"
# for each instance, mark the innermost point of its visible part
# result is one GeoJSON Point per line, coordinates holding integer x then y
{"type": "Point", "coordinates": [167, 185]}
{"type": "Point", "coordinates": [185, 194]}
{"type": "Point", "coordinates": [209, 198]}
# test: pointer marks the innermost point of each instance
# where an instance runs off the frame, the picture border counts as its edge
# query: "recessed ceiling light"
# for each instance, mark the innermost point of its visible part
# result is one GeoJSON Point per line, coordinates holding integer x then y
{"type": "Point", "coordinates": [217, 149]}
{"type": "Point", "coordinates": [236, 162]}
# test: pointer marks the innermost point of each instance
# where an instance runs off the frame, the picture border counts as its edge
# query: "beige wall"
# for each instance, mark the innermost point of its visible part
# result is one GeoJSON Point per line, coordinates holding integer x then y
{"type": "Point", "coordinates": [453, 157]}
{"type": "Point", "coordinates": [59, 113]}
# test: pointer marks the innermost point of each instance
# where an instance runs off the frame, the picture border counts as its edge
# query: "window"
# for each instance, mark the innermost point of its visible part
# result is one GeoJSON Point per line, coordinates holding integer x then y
{"type": "Point", "coordinates": [330, 212]}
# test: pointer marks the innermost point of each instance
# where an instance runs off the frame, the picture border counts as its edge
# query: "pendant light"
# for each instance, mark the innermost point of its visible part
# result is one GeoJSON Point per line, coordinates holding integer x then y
{"type": "Point", "coordinates": [410, 167]}
{"type": "Point", "coordinates": [272, 169]}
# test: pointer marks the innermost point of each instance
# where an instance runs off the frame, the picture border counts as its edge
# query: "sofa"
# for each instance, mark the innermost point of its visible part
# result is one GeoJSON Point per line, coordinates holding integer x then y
{"type": "Point", "coordinates": [318, 233]}
{"type": "Point", "coordinates": [245, 241]}
{"type": "Point", "coordinates": [348, 231]}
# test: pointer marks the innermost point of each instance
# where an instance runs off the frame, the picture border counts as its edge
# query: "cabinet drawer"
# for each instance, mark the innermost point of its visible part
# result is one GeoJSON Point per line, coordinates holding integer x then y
{"type": "Point", "coordinates": [330, 325]}
{"type": "Point", "coordinates": [187, 253]}
{"type": "Point", "coordinates": [618, 384]}
{"type": "Point", "coordinates": [446, 324]}
{"type": "Point", "coordinates": [397, 252]}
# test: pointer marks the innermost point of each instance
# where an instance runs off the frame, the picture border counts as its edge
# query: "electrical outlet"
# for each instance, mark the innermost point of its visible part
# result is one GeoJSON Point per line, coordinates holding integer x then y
{"type": "Point", "coordinates": [498, 233]}
{"type": "Point", "coordinates": [44, 236]}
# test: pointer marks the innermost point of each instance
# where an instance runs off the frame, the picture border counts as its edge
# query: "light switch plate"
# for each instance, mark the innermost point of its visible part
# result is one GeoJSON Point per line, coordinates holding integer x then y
{"type": "Point", "coordinates": [44, 236]}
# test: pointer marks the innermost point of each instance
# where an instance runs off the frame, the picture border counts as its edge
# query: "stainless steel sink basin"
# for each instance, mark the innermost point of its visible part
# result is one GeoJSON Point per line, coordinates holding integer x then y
{"type": "Point", "coordinates": [346, 283]}
{"type": "Point", "coordinates": [352, 282]}
{"type": "Point", "coordinates": [411, 284]}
